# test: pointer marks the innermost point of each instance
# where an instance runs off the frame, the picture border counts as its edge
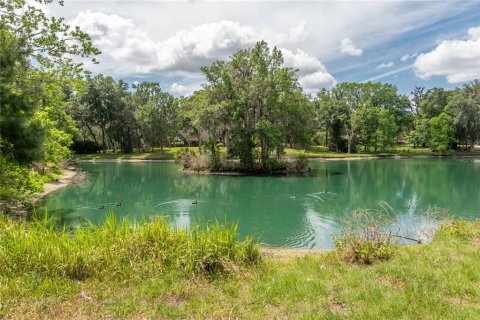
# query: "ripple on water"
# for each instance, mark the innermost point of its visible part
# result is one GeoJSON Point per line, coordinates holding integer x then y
{"type": "Point", "coordinates": [315, 233]}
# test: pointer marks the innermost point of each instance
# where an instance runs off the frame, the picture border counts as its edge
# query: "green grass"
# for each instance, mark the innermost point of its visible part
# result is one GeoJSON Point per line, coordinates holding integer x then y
{"type": "Point", "coordinates": [312, 152]}
{"type": "Point", "coordinates": [439, 280]}
{"type": "Point", "coordinates": [156, 154]}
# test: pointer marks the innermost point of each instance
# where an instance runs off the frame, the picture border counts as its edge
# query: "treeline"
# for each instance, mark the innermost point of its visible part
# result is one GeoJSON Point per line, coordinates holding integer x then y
{"type": "Point", "coordinates": [255, 107]}
{"type": "Point", "coordinates": [111, 115]}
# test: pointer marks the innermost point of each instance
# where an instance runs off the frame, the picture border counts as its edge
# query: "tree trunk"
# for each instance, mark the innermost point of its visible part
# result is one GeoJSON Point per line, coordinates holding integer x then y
{"type": "Point", "coordinates": [91, 132]}
{"type": "Point", "coordinates": [103, 139]}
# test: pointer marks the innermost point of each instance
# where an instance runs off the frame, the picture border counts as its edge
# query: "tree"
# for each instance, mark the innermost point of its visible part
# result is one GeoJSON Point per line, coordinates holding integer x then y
{"type": "Point", "coordinates": [49, 42]}
{"type": "Point", "coordinates": [250, 100]}
{"type": "Point", "coordinates": [387, 130]}
{"type": "Point", "coordinates": [21, 137]}
{"type": "Point", "coordinates": [28, 38]}
{"type": "Point", "coordinates": [464, 107]}
{"type": "Point", "coordinates": [36, 67]}
{"type": "Point", "coordinates": [101, 103]}
{"type": "Point", "coordinates": [441, 132]}
{"type": "Point", "coordinates": [157, 119]}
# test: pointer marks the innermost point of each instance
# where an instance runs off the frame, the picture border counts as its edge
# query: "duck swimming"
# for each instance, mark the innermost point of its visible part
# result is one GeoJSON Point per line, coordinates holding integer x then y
{"type": "Point", "coordinates": [195, 202]}
{"type": "Point", "coordinates": [119, 203]}
{"type": "Point", "coordinates": [102, 206]}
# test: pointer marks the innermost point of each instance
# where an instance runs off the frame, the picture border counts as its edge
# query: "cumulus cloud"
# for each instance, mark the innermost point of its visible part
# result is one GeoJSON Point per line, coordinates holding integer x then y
{"type": "Point", "coordinates": [313, 75]}
{"type": "Point", "coordinates": [408, 56]}
{"type": "Point", "coordinates": [200, 45]}
{"type": "Point", "coordinates": [385, 65]}
{"type": "Point", "coordinates": [457, 60]}
{"type": "Point", "coordinates": [348, 48]}
{"type": "Point", "coordinates": [119, 39]}
{"type": "Point", "coordinates": [128, 49]}
{"type": "Point", "coordinates": [312, 83]}
{"type": "Point", "coordinates": [178, 88]}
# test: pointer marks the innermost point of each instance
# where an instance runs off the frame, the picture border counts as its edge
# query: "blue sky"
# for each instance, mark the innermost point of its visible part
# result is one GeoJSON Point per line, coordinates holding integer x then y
{"type": "Point", "coordinates": [329, 42]}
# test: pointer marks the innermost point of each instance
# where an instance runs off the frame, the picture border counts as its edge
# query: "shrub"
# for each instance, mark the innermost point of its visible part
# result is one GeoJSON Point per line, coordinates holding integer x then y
{"type": "Point", "coordinates": [300, 163]}
{"type": "Point", "coordinates": [365, 238]}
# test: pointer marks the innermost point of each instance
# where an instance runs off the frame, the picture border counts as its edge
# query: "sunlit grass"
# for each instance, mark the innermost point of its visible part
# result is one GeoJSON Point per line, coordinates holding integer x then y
{"type": "Point", "coordinates": [120, 248]}
{"type": "Point", "coordinates": [40, 272]}
{"type": "Point", "coordinates": [311, 152]}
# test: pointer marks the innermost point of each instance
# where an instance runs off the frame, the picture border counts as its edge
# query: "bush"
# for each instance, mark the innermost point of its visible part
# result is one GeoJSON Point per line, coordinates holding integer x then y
{"type": "Point", "coordinates": [299, 164]}
{"type": "Point", "coordinates": [365, 238]}
{"type": "Point", "coordinates": [19, 182]}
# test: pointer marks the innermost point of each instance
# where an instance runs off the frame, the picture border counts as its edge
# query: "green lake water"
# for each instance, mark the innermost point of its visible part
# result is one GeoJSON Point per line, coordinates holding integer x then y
{"type": "Point", "coordinates": [290, 211]}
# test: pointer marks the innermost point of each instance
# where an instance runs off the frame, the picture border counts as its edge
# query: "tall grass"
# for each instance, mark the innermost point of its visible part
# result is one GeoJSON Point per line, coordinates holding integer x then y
{"type": "Point", "coordinates": [121, 249]}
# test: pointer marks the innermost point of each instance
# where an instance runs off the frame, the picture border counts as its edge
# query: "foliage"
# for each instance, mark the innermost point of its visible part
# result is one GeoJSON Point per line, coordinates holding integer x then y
{"type": "Point", "coordinates": [465, 110]}
{"type": "Point", "coordinates": [119, 247]}
{"type": "Point", "coordinates": [365, 238]}
{"type": "Point", "coordinates": [250, 100]}
{"type": "Point", "coordinates": [17, 181]}
{"type": "Point", "coordinates": [441, 132]}
{"type": "Point", "coordinates": [49, 42]}
{"type": "Point", "coordinates": [37, 73]}
{"type": "Point", "coordinates": [372, 114]}
{"type": "Point", "coordinates": [432, 281]}
{"type": "Point", "coordinates": [157, 119]}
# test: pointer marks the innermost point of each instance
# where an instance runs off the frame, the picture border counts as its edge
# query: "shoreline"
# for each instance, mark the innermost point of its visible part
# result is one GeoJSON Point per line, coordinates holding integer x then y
{"type": "Point", "coordinates": [69, 175]}
{"type": "Point", "coordinates": [121, 160]}
{"type": "Point", "coordinates": [395, 157]}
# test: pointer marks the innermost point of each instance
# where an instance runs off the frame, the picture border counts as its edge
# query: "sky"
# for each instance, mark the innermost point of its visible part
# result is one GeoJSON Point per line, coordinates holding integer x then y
{"type": "Point", "coordinates": [424, 43]}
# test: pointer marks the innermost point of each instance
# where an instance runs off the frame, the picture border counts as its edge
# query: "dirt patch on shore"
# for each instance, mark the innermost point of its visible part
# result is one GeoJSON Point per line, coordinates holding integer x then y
{"type": "Point", "coordinates": [69, 176]}
{"type": "Point", "coordinates": [288, 253]}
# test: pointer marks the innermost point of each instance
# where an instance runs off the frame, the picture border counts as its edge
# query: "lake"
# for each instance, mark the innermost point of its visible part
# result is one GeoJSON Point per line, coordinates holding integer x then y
{"type": "Point", "coordinates": [288, 211]}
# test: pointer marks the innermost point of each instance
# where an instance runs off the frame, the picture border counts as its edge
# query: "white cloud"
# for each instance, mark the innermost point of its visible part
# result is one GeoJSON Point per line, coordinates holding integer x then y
{"type": "Point", "coordinates": [388, 74]}
{"type": "Point", "coordinates": [408, 56]}
{"type": "Point", "coordinates": [474, 33]}
{"type": "Point", "coordinates": [300, 60]}
{"type": "Point", "coordinates": [313, 75]}
{"type": "Point", "coordinates": [127, 48]}
{"type": "Point", "coordinates": [295, 35]}
{"type": "Point", "coordinates": [299, 32]}
{"type": "Point", "coordinates": [385, 65]}
{"type": "Point", "coordinates": [189, 49]}
{"type": "Point", "coordinates": [178, 88]}
{"type": "Point", "coordinates": [457, 60]}
{"type": "Point", "coordinates": [312, 83]}
{"type": "Point", "coordinates": [348, 48]}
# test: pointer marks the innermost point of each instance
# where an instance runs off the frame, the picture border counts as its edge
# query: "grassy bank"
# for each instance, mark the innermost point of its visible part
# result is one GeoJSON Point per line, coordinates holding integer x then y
{"type": "Point", "coordinates": [117, 271]}
{"type": "Point", "coordinates": [313, 152]}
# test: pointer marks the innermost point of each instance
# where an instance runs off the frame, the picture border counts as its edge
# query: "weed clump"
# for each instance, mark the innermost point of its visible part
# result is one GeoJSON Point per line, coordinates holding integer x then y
{"type": "Point", "coordinates": [365, 238]}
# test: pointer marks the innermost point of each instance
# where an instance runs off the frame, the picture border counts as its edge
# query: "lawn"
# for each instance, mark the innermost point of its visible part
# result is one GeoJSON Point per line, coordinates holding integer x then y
{"type": "Point", "coordinates": [439, 280]}
{"type": "Point", "coordinates": [312, 152]}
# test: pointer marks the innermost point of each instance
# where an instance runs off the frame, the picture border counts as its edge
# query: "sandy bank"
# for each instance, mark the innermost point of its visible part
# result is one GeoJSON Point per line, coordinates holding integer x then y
{"type": "Point", "coordinates": [289, 253]}
{"type": "Point", "coordinates": [69, 175]}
